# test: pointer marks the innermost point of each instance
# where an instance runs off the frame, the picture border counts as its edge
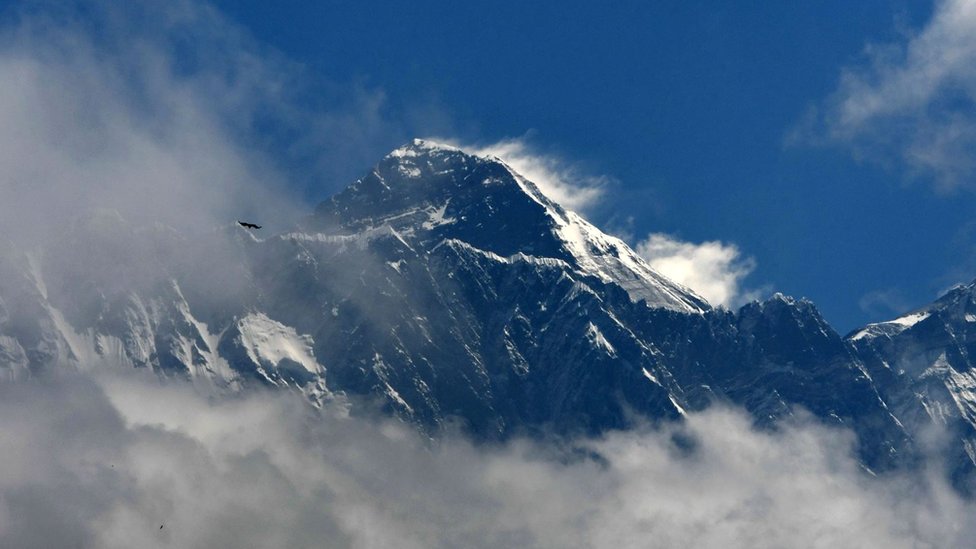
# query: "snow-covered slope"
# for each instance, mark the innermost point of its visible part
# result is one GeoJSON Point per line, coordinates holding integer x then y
{"type": "Point", "coordinates": [505, 309]}
{"type": "Point", "coordinates": [448, 288]}
{"type": "Point", "coordinates": [111, 295]}
{"type": "Point", "coordinates": [925, 365]}
{"type": "Point", "coordinates": [890, 328]}
{"type": "Point", "coordinates": [429, 192]}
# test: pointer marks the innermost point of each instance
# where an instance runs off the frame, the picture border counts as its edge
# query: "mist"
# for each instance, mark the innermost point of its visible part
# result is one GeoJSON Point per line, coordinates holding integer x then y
{"type": "Point", "coordinates": [134, 135]}
{"type": "Point", "coordinates": [123, 145]}
{"type": "Point", "coordinates": [104, 461]}
{"type": "Point", "coordinates": [168, 112]}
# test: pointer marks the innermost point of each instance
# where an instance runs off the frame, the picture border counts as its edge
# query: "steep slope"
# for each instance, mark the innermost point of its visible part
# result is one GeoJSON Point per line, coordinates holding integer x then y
{"type": "Point", "coordinates": [112, 295]}
{"type": "Point", "coordinates": [924, 366]}
{"type": "Point", "coordinates": [429, 193]}
{"type": "Point", "coordinates": [449, 289]}
{"type": "Point", "coordinates": [476, 297]}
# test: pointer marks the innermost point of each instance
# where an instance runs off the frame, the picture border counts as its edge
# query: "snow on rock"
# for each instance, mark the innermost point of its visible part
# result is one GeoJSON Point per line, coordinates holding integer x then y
{"type": "Point", "coordinates": [596, 338]}
{"type": "Point", "coordinates": [611, 260]}
{"type": "Point", "coordinates": [430, 192]}
{"type": "Point", "coordinates": [13, 359]}
{"type": "Point", "coordinates": [436, 217]}
{"type": "Point", "coordinates": [269, 343]}
{"type": "Point", "coordinates": [891, 327]}
{"type": "Point", "coordinates": [419, 146]}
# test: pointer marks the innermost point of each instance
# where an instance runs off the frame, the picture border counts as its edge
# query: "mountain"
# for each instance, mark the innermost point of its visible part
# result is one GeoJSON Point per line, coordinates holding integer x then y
{"type": "Point", "coordinates": [450, 290]}
{"type": "Point", "coordinates": [431, 194]}
{"type": "Point", "coordinates": [924, 365]}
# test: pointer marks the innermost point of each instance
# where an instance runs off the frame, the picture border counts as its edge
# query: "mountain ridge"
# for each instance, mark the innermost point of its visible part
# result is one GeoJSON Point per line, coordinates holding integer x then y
{"type": "Point", "coordinates": [450, 289]}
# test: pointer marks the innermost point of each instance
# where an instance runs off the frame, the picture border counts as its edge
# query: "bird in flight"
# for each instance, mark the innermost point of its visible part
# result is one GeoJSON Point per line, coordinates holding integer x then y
{"type": "Point", "coordinates": [247, 225]}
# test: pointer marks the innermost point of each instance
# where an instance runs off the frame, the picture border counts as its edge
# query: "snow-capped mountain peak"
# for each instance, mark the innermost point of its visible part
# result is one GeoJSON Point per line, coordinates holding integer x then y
{"type": "Point", "coordinates": [446, 286]}
{"type": "Point", "coordinates": [417, 146]}
{"type": "Point", "coordinates": [430, 192]}
{"type": "Point", "coordinates": [956, 306]}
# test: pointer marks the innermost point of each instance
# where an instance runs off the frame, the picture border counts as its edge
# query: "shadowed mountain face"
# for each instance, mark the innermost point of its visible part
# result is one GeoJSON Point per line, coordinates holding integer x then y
{"type": "Point", "coordinates": [923, 364]}
{"type": "Point", "coordinates": [449, 289]}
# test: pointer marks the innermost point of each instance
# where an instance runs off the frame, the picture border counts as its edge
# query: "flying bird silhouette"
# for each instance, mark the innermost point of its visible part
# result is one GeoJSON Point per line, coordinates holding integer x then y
{"type": "Point", "coordinates": [247, 225]}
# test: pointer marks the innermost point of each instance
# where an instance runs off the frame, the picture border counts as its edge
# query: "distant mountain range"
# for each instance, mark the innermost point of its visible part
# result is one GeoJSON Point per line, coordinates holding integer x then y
{"type": "Point", "coordinates": [450, 289]}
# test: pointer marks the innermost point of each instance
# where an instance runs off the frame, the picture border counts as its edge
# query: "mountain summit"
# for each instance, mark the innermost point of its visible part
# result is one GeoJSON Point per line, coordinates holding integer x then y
{"type": "Point", "coordinates": [432, 193]}
{"type": "Point", "coordinates": [448, 288]}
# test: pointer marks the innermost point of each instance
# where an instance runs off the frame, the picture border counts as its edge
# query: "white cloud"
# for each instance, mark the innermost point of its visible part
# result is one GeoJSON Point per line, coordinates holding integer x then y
{"type": "Point", "coordinates": [713, 269]}
{"type": "Point", "coordinates": [85, 126]}
{"type": "Point", "coordinates": [562, 181]}
{"type": "Point", "coordinates": [164, 111]}
{"type": "Point", "coordinates": [103, 462]}
{"type": "Point", "coordinates": [913, 102]}
{"type": "Point", "coordinates": [884, 304]}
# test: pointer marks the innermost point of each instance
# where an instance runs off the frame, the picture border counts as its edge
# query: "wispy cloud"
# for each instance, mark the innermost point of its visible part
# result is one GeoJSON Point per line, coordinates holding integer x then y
{"type": "Point", "coordinates": [166, 111]}
{"type": "Point", "coordinates": [104, 462]}
{"type": "Point", "coordinates": [911, 104]}
{"type": "Point", "coordinates": [884, 304]}
{"type": "Point", "coordinates": [562, 180]}
{"type": "Point", "coordinates": [713, 269]}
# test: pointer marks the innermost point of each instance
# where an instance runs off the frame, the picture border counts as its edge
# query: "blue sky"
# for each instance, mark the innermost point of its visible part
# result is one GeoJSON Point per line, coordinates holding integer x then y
{"type": "Point", "coordinates": [688, 106]}
{"type": "Point", "coordinates": [820, 146]}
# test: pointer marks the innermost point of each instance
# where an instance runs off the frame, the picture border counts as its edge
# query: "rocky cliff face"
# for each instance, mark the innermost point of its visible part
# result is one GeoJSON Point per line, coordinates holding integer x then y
{"type": "Point", "coordinates": [448, 288]}
{"type": "Point", "coordinates": [923, 366]}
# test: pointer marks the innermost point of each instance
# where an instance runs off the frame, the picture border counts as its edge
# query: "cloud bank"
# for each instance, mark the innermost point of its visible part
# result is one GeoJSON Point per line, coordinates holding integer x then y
{"type": "Point", "coordinates": [166, 112]}
{"type": "Point", "coordinates": [104, 462]}
{"type": "Point", "coordinates": [712, 269]}
{"type": "Point", "coordinates": [562, 181]}
{"type": "Point", "coordinates": [85, 125]}
{"type": "Point", "coordinates": [911, 104]}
